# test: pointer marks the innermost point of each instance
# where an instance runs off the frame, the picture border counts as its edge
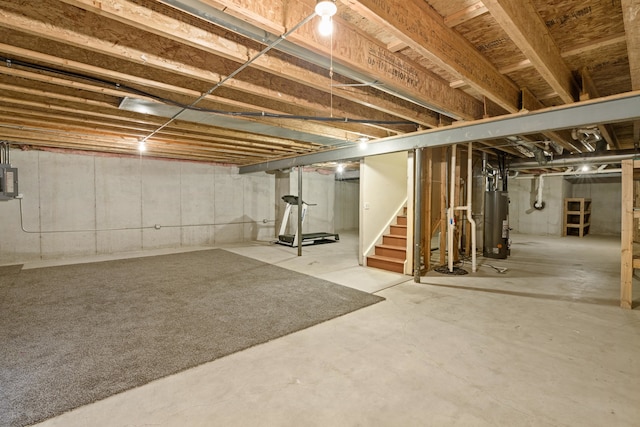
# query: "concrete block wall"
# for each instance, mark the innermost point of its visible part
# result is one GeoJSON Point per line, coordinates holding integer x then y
{"type": "Point", "coordinates": [78, 205]}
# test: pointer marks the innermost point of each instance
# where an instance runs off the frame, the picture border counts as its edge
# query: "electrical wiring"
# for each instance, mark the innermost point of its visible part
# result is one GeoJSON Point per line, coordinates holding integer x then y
{"type": "Point", "coordinates": [148, 227]}
{"type": "Point", "coordinates": [132, 90]}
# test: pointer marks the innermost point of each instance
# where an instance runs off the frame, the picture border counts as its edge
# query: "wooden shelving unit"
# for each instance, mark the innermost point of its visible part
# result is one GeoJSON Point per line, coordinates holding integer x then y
{"type": "Point", "coordinates": [630, 215]}
{"type": "Point", "coordinates": [577, 216]}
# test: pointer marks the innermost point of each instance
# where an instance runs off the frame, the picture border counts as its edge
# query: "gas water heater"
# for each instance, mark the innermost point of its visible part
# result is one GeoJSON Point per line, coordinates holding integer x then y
{"type": "Point", "coordinates": [496, 224]}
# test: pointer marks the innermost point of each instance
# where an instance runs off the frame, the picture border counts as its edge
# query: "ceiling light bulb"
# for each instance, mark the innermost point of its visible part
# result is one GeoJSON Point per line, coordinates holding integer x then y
{"type": "Point", "coordinates": [142, 146]}
{"type": "Point", "coordinates": [585, 168]}
{"type": "Point", "coordinates": [325, 27]}
{"type": "Point", "coordinates": [340, 168]}
{"type": "Point", "coordinates": [326, 8]}
{"type": "Point", "coordinates": [363, 142]}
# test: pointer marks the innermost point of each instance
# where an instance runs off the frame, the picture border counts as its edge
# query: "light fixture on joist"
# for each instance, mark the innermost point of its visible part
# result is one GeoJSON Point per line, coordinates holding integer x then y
{"type": "Point", "coordinates": [326, 9]}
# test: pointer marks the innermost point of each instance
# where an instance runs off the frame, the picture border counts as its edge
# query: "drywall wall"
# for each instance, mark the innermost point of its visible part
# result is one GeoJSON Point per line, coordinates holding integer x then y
{"type": "Point", "coordinates": [523, 218]}
{"type": "Point", "coordinates": [78, 205]}
{"type": "Point", "coordinates": [347, 205]}
{"type": "Point", "coordinates": [383, 190]}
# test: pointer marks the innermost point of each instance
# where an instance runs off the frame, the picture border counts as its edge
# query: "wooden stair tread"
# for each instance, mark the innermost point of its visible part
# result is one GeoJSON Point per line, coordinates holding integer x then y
{"type": "Point", "coordinates": [386, 258]}
{"type": "Point", "coordinates": [387, 246]}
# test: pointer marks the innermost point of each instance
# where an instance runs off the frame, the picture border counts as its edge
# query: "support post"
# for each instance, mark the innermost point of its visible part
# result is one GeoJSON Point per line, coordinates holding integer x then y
{"type": "Point", "coordinates": [450, 210]}
{"type": "Point", "coordinates": [443, 205]}
{"type": "Point", "coordinates": [472, 223]}
{"type": "Point", "coordinates": [626, 265]}
{"type": "Point", "coordinates": [417, 213]}
{"type": "Point", "coordinates": [299, 229]}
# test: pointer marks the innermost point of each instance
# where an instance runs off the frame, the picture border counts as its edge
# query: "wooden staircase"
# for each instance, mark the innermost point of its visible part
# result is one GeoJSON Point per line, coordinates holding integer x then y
{"type": "Point", "coordinates": [392, 253]}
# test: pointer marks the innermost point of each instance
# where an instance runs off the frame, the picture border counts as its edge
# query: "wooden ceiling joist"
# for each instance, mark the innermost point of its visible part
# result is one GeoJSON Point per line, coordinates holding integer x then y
{"type": "Point", "coordinates": [464, 15]}
{"type": "Point", "coordinates": [362, 54]}
{"type": "Point", "coordinates": [631, 14]}
{"type": "Point", "coordinates": [70, 64]}
{"type": "Point", "coordinates": [124, 52]}
{"type": "Point", "coordinates": [148, 20]}
{"type": "Point", "coordinates": [414, 22]}
{"type": "Point", "coordinates": [526, 29]}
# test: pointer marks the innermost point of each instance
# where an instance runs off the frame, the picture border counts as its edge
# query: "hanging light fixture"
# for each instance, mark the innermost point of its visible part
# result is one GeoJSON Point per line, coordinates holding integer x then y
{"type": "Point", "coordinates": [325, 9]}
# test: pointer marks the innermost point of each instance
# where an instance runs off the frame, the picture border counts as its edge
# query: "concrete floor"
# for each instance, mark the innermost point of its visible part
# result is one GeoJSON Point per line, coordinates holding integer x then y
{"type": "Point", "coordinates": [543, 343]}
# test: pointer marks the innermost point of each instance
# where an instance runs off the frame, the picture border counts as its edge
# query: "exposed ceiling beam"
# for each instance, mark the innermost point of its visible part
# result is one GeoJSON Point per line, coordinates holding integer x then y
{"type": "Point", "coordinates": [465, 14]}
{"type": "Point", "coordinates": [231, 19]}
{"type": "Point", "coordinates": [359, 52]}
{"type": "Point", "coordinates": [631, 15]}
{"type": "Point", "coordinates": [610, 109]}
{"type": "Point", "coordinates": [100, 72]}
{"type": "Point", "coordinates": [593, 45]}
{"type": "Point", "coordinates": [61, 29]}
{"type": "Point", "coordinates": [456, 18]}
{"type": "Point", "coordinates": [589, 91]}
{"type": "Point", "coordinates": [526, 29]}
{"type": "Point", "coordinates": [137, 16]}
{"type": "Point", "coordinates": [572, 51]}
{"type": "Point", "coordinates": [418, 25]}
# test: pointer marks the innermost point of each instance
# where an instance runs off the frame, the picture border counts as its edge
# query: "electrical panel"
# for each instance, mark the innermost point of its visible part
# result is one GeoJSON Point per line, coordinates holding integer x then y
{"type": "Point", "coordinates": [8, 182]}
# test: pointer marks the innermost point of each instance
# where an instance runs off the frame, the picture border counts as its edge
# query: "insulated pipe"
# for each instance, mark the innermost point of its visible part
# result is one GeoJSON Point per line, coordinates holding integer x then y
{"type": "Point", "coordinates": [469, 211]}
{"type": "Point", "coordinates": [417, 214]}
{"type": "Point", "coordinates": [450, 210]}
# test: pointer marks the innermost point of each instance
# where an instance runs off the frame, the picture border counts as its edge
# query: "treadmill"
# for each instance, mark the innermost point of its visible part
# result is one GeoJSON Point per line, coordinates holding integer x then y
{"type": "Point", "coordinates": [309, 238]}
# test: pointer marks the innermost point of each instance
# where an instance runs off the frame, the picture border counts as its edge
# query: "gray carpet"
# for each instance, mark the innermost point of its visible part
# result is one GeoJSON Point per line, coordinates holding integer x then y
{"type": "Point", "coordinates": [75, 334]}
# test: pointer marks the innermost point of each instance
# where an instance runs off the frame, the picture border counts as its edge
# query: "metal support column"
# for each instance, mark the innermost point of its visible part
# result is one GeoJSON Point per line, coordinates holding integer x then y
{"type": "Point", "coordinates": [299, 229]}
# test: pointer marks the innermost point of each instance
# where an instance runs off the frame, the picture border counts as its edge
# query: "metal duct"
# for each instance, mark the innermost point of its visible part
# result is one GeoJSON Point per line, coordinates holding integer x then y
{"type": "Point", "coordinates": [164, 110]}
{"type": "Point", "coordinates": [614, 157]}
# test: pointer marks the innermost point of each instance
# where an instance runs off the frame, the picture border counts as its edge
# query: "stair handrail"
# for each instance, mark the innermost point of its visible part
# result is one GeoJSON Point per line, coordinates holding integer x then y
{"type": "Point", "coordinates": [378, 239]}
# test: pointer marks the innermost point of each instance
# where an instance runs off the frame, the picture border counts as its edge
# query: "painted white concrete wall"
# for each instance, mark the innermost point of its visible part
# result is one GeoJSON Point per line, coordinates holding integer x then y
{"type": "Point", "coordinates": [347, 205]}
{"type": "Point", "coordinates": [606, 196]}
{"type": "Point", "coordinates": [318, 189]}
{"type": "Point", "coordinates": [523, 218]}
{"type": "Point", "coordinates": [118, 201]}
{"type": "Point", "coordinates": [383, 188]}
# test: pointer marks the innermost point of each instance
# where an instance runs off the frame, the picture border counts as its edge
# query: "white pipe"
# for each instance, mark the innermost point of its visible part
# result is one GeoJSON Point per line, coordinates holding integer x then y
{"type": "Point", "coordinates": [469, 210]}
{"type": "Point", "coordinates": [450, 217]}
{"type": "Point", "coordinates": [538, 203]}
